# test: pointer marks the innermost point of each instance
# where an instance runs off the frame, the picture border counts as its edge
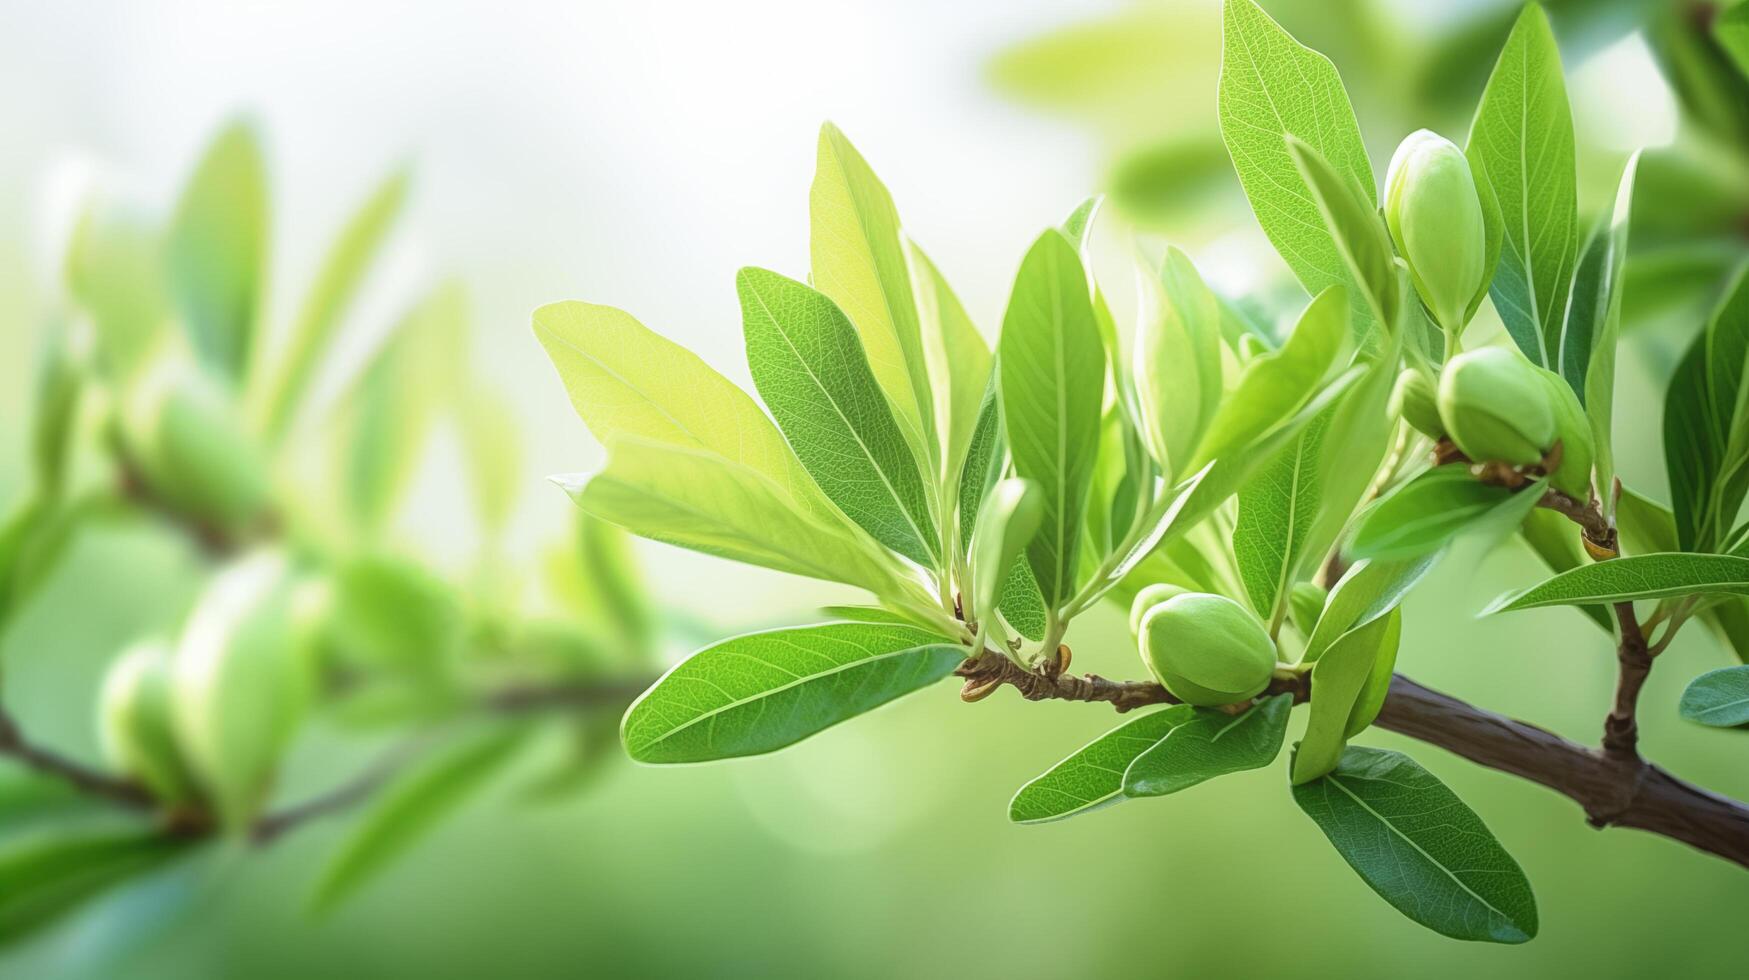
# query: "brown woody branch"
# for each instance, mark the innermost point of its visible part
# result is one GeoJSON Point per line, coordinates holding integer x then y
{"type": "Point", "coordinates": [91, 782]}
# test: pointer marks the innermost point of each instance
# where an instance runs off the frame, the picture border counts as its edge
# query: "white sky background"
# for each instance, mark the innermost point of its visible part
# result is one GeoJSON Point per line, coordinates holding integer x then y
{"type": "Point", "coordinates": [629, 153]}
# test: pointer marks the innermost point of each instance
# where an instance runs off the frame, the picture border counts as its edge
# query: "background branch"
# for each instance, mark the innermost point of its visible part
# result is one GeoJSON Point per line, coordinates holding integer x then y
{"type": "Point", "coordinates": [91, 782]}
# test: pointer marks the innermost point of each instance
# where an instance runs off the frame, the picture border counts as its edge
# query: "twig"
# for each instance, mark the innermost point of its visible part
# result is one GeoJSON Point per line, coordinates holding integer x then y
{"type": "Point", "coordinates": [345, 796]}
{"type": "Point", "coordinates": [991, 670]}
{"type": "Point", "coordinates": [91, 782]}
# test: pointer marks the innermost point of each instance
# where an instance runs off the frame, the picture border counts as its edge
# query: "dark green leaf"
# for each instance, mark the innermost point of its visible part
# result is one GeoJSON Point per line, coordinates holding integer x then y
{"type": "Point", "coordinates": [763, 691]}
{"type": "Point", "coordinates": [1094, 776]}
{"type": "Point", "coordinates": [1420, 848]}
{"type": "Point", "coordinates": [1719, 698]}
{"type": "Point", "coordinates": [42, 879]}
{"type": "Point", "coordinates": [1211, 744]}
{"type": "Point", "coordinates": [1339, 678]}
{"type": "Point", "coordinates": [1630, 579]}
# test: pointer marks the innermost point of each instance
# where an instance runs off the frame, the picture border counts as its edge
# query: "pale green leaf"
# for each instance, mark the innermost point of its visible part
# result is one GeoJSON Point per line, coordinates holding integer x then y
{"type": "Point", "coordinates": [1521, 143]}
{"type": "Point", "coordinates": [811, 372]}
{"type": "Point", "coordinates": [1011, 516]}
{"type": "Point", "coordinates": [1597, 299]}
{"type": "Point", "coordinates": [1213, 743]}
{"type": "Point", "coordinates": [217, 250]}
{"type": "Point", "coordinates": [1427, 513]}
{"type": "Point", "coordinates": [491, 438]}
{"type": "Point", "coordinates": [1276, 511]}
{"type": "Point", "coordinates": [1052, 378]}
{"type": "Point", "coordinates": [1338, 679]}
{"type": "Point", "coordinates": [1420, 848]}
{"type": "Point", "coordinates": [959, 360]}
{"type": "Point", "coordinates": [1367, 591]}
{"type": "Point", "coordinates": [763, 691]}
{"type": "Point", "coordinates": [1177, 365]}
{"type": "Point", "coordinates": [1356, 230]}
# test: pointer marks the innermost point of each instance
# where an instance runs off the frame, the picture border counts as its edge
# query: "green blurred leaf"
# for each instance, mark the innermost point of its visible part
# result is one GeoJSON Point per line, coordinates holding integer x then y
{"type": "Point", "coordinates": [1420, 848]}
{"type": "Point", "coordinates": [1212, 743]}
{"type": "Point", "coordinates": [1646, 525]}
{"type": "Point", "coordinates": [217, 250]}
{"type": "Point", "coordinates": [614, 585]}
{"type": "Point", "coordinates": [1094, 776]}
{"type": "Point", "coordinates": [115, 273]}
{"type": "Point", "coordinates": [409, 811]}
{"type": "Point", "coordinates": [1273, 87]}
{"type": "Point", "coordinates": [43, 878]}
{"type": "Point", "coordinates": [492, 440]}
{"type": "Point", "coordinates": [1731, 31]}
{"type": "Point", "coordinates": [763, 691]}
{"type": "Point", "coordinates": [1522, 144]}
{"type": "Point", "coordinates": [60, 380]}
{"type": "Point", "coordinates": [1052, 379]}
{"type": "Point", "coordinates": [1339, 678]}
{"type": "Point", "coordinates": [1633, 578]}
{"type": "Point", "coordinates": [959, 359]}
{"type": "Point", "coordinates": [698, 499]}
{"type": "Point", "coordinates": [858, 261]}
{"type": "Point", "coordinates": [811, 372]}
{"type": "Point", "coordinates": [349, 259]}
{"type": "Point", "coordinates": [390, 614]}
{"type": "Point", "coordinates": [1719, 698]}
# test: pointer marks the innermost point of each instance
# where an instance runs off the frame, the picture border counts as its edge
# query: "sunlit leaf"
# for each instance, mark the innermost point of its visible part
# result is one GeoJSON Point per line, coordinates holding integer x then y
{"type": "Point", "coordinates": [1633, 578]}
{"type": "Point", "coordinates": [217, 250]}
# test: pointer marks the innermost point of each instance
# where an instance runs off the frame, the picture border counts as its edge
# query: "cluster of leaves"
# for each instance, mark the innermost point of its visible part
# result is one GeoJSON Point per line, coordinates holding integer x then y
{"type": "Point", "coordinates": [988, 498]}
{"type": "Point", "coordinates": [166, 403]}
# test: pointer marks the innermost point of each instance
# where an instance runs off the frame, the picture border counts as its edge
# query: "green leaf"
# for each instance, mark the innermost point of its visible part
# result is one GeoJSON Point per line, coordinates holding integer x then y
{"type": "Point", "coordinates": [1094, 776]}
{"type": "Point", "coordinates": [410, 811]}
{"type": "Point", "coordinates": [1420, 848]}
{"type": "Point", "coordinates": [491, 439]}
{"type": "Point", "coordinates": [958, 355]}
{"type": "Point", "coordinates": [1556, 541]}
{"type": "Point", "coordinates": [1597, 299]}
{"type": "Point", "coordinates": [1719, 698]}
{"type": "Point", "coordinates": [1429, 512]}
{"type": "Point", "coordinates": [115, 273]}
{"type": "Point", "coordinates": [811, 372]}
{"type": "Point", "coordinates": [615, 592]}
{"type": "Point", "coordinates": [1276, 511]}
{"type": "Point", "coordinates": [1177, 364]}
{"type": "Point", "coordinates": [1021, 603]}
{"type": "Point", "coordinates": [1646, 525]}
{"type": "Point", "coordinates": [391, 614]}
{"type": "Point", "coordinates": [45, 878]}
{"type": "Point", "coordinates": [1213, 743]}
{"type": "Point", "coordinates": [760, 692]}
{"type": "Point", "coordinates": [1339, 678]}
{"type": "Point", "coordinates": [1358, 233]}
{"type": "Point", "coordinates": [1368, 590]}
{"type": "Point", "coordinates": [700, 500]}
{"type": "Point", "coordinates": [986, 458]}
{"type": "Point", "coordinates": [217, 250]}
{"type": "Point", "coordinates": [1276, 384]}
{"type": "Point", "coordinates": [1634, 578]}
{"type": "Point", "coordinates": [60, 380]}
{"type": "Point", "coordinates": [858, 260]}
{"type": "Point", "coordinates": [349, 259]}
{"type": "Point", "coordinates": [1272, 87]}
{"type": "Point", "coordinates": [1010, 518]}
{"type": "Point", "coordinates": [626, 380]}
{"type": "Point", "coordinates": [1052, 380]}
{"type": "Point", "coordinates": [1731, 31]}
{"type": "Point", "coordinates": [1522, 144]}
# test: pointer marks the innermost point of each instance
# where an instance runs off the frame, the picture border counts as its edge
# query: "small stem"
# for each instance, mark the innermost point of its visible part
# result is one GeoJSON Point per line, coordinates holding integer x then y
{"type": "Point", "coordinates": [91, 782]}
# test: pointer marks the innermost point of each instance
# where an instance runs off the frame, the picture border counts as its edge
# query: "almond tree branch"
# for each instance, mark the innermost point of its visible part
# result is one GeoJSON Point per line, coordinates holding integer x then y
{"type": "Point", "coordinates": [91, 782]}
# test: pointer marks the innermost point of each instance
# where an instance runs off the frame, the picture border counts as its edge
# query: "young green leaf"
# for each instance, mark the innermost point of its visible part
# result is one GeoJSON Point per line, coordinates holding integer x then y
{"type": "Point", "coordinates": [1011, 516]}
{"type": "Point", "coordinates": [217, 250]}
{"type": "Point", "coordinates": [1177, 364]}
{"type": "Point", "coordinates": [1359, 236]}
{"type": "Point", "coordinates": [1633, 578]}
{"type": "Point", "coordinates": [491, 439]}
{"type": "Point", "coordinates": [1556, 540]}
{"type": "Point", "coordinates": [115, 274]}
{"type": "Point", "coordinates": [625, 379]}
{"type": "Point", "coordinates": [1420, 848]}
{"type": "Point", "coordinates": [337, 282]}
{"type": "Point", "coordinates": [1522, 144]}
{"type": "Point", "coordinates": [760, 692]}
{"type": "Point", "coordinates": [858, 260]}
{"type": "Point", "coordinates": [1427, 513]}
{"type": "Point", "coordinates": [811, 372]}
{"type": "Point", "coordinates": [1212, 743]}
{"type": "Point", "coordinates": [1052, 380]}
{"type": "Point", "coordinates": [43, 879]}
{"type": "Point", "coordinates": [986, 459]}
{"type": "Point", "coordinates": [1339, 679]}
{"type": "Point", "coordinates": [1272, 87]}
{"type": "Point", "coordinates": [696, 499]}
{"type": "Point", "coordinates": [1093, 777]}
{"type": "Point", "coordinates": [1369, 590]}
{"type": "Point", "coordinates": [1276, 511]}
{"type": "Point", "coordinates": [410, 811]}
{"type": "Point", "coordinates": [1719, 698]}
{"type": "Point", "coordinates": [959, 359]}
{"type": "Point", "coordinates": [1731, 31]}
{"type": "Point", "coordinates": [1021, 603]}
{"type": "Point", "coordinates": [1276, 384]}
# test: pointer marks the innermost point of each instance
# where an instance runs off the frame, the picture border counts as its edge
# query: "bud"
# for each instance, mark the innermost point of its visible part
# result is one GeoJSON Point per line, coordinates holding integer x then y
{"type": "Point", "coordinates": [1148, 598]}
{"type": "Point", "coordinates": [187, 434]}
{"type": "Point", "coordinates": [1306, 603]}
{"type": "Point", "coordinates": [1207, 649]}
{"type": "Point", "coordinates": [1417, 401]}
{"type": "Point", "coordinates": [241, 679]}
{"type": "Point", "coordinates": [1573, 431]}
{"type": "Point", "coordinates": [1495, 407]}
{"type": "Point", "coordinates": [1435, 217]}
{"type": "Point", "coordinates": [135, 727]}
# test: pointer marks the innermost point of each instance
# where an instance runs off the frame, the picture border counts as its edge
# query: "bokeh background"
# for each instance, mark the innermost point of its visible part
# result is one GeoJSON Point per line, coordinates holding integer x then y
{"type": "Point", "coordinates": [637, 155]}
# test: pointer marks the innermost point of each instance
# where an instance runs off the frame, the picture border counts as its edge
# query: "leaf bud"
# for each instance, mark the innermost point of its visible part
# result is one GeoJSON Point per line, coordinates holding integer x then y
{"type": "Point", "coordinates": [135, 726]}
{"type": "Point", "coordinates": [188, 436]}
{"type": "Point", "coordinates": [1495, 407]}
{"type": "Point", "coordinates": [1416, 399]}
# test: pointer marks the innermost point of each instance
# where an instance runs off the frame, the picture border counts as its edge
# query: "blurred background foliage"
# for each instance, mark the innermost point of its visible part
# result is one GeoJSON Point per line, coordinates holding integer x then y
{"type": "Point", "coordinates": [414, 444]}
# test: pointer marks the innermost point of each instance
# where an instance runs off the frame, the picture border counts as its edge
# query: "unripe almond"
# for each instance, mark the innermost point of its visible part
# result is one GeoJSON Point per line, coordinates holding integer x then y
{"type": "Point", "coordinates": [1495, 407]}
{"type": "Point", "coordinates": [1435, 217]}
{"type": "Point", "coordinates": [1207, 649]}
{"type": "Point", "coordinates": [135, 725]}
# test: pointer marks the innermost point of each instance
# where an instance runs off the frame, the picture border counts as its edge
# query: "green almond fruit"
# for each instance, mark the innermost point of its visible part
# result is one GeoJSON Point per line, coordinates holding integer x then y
{"type": "Point", "coordinates": [1416, 399]}
{"type": "Point", "coordinates": [1435, 216]}
{"type": "Point", "coordinates": [1148, 598]}
{"type": "Point", "coordinates": [135, 726]}
{"type": "Point", "coordinates": [1207, 649]}
{"type": "Point", "coordinates": [242, 677]}
{"type": "Point", "coordinates": [1495, 407]}
{"type": "Point", "coordinates": [187, 433]}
